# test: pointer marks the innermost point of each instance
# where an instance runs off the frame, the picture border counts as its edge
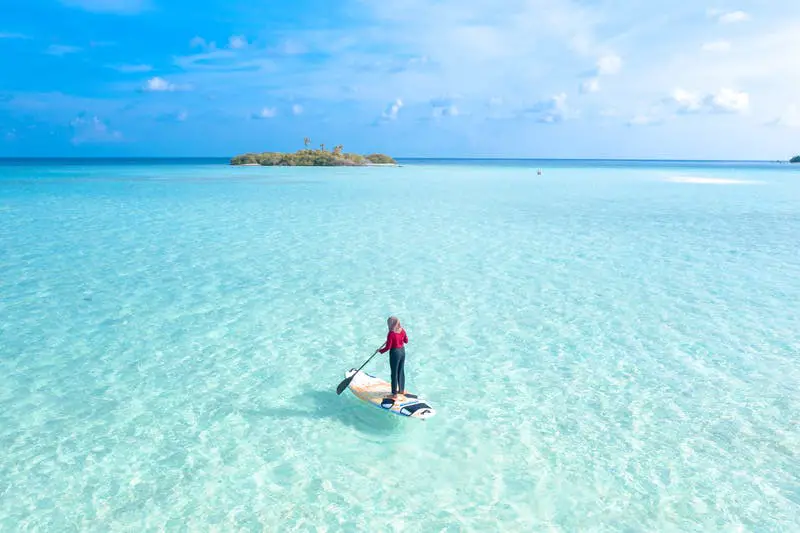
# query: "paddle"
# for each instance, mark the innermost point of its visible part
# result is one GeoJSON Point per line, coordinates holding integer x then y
{"type": "Point", "coordinates": [343, 385]}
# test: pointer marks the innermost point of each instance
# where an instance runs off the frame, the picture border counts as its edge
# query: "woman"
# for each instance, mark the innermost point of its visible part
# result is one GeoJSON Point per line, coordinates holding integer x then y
{"type": "Point", "coordinates": [396, 340]}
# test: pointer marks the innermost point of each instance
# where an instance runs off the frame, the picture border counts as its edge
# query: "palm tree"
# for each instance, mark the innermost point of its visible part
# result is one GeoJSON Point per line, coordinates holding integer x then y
{"type": "Point", "coordinates": [306, 141]}
{"type": "Point", "coordinates": [322, 147]}
{"type": "Point", "coordinates": [337, 150]}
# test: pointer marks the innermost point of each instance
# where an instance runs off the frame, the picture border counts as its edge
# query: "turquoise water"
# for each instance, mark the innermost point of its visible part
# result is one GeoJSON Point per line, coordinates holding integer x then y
{"type": "Point", "coordinates": [608, 348]}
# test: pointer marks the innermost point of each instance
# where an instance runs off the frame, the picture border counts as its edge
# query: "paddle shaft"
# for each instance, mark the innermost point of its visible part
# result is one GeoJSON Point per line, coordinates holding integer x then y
{"type": "Point", "coordinates": [343, 385]}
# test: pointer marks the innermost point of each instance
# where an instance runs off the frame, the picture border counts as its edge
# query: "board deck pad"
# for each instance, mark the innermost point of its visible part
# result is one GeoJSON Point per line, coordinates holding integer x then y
{"type": "Point", "coordinates": [374, 391]}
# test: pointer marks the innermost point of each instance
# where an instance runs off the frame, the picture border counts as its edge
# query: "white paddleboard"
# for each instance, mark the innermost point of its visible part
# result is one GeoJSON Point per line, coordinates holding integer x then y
{"type": "Point", "coordinates": [374, 391]}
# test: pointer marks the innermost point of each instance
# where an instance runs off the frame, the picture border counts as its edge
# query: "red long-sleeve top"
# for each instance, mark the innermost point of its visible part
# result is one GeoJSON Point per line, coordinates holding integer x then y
{"type": "Point", "coordinates": [395, 340]}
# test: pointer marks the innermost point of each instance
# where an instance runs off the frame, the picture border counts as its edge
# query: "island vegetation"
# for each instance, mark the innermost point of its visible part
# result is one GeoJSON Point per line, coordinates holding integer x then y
{"type": "Point", "coordinates": [308, 157]}
{"type": "Point", "coordinates": [795, 159]}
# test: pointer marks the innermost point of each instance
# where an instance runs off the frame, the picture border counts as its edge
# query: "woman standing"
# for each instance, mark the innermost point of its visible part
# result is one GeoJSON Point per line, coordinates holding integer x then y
{"type": "Point", "coordinates": [396, 340]}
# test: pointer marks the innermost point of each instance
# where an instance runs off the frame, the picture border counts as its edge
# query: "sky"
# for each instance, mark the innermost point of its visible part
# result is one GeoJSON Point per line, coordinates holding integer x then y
{"type": "Point", "coordinates": [412, 78]}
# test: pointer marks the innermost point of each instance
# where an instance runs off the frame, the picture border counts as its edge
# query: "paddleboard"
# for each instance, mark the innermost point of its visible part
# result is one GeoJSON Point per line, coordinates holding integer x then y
{"type": "Point", "coordinates": [374, 391]}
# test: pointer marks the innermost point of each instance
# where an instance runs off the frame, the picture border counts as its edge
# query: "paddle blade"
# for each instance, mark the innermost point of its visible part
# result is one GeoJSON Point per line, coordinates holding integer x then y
{"type": "Point", "coordinates": [343, 385]}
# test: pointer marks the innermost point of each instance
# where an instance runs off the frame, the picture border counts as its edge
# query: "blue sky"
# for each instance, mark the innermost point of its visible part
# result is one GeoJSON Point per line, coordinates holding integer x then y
{"type": "Point", "coordinates": [517, 78]}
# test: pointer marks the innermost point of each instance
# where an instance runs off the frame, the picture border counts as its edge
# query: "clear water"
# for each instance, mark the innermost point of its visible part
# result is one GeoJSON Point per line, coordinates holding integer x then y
{"type": "Point", "coordinates": [608, 350]}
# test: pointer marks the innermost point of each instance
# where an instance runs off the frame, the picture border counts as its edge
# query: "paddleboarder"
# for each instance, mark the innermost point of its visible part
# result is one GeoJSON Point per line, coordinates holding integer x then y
{"type": "Point", "coordinates": [396, 339]}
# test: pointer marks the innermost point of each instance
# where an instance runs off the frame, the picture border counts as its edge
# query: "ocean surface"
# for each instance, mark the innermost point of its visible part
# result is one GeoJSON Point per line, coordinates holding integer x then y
{"type": "Point", "coordinates": [610, 346]}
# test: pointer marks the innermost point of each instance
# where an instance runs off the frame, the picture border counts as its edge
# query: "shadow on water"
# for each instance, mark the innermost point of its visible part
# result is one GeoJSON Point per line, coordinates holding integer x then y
{"type": "Point", "coordinates": [319, 404]}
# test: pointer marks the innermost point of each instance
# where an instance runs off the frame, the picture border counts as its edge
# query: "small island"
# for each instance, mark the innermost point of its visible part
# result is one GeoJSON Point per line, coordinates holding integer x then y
{"type": "Point", "coordinates": [313, 158]}
{"type": "Point", "coordinates": [795, 159]}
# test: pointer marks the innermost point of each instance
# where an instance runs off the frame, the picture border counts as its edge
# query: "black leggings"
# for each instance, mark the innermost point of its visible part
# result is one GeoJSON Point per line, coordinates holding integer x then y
{"type": "Point", "coordinates": [397, 360]}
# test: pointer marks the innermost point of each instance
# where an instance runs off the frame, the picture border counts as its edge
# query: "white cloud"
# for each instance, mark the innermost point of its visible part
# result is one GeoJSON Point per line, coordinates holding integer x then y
{"type": "Point", "coordinates": [734, 17]}
{"type": "Point", "coordinates": [445, 106]}
{"type": "Point", "coordinates": [550, 111]}
{"type": "Point", "coordinates": [729, 101]}
{"type": "Point", "coordinates": [159, 84]}
{"type": "Point", "coordinates": [592, 85]}
{"type": "Point", "coordinates": [237, 41]}
{"type": "Point", "coordinates": [717, 46]}
{"type": "Point", "coordinates": [724, 100]}
{"type": "Point", "coordinates": [440, 46]}
{"type": "Point", "coordinates": [609, 65]}
{"type": "Point", "coordinates": [199, 42]}
{"type": "Point", "coordinates": [449, 111]}
{"type": "Point", "coordinates": [61, 50]}
{"type": "Point", "coordinates": [92, 130]}
{"type": "Point", "coordinates": [649, 48]}
{"type": "Point", "coordinates": [392, 110]}
{"type": "Point", "coordinates": [688, 102]}
{"type": "Point", "coordinates": [178, 116]}
{"type": "Point", "coordinates": [7, 35]}
{"type": "Point", "coordinates": [297, 109]}
{"type": "Point", "coordinates": [120, 7]}
{"type": "Point", "coordinates": [267, 112]}
{"type": "Point", "coordinates": [132, 68]}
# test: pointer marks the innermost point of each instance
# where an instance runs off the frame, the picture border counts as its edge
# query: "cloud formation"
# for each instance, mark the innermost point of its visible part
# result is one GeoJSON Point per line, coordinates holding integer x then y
{"type": "Point", "coordinates": [592, 85]}
{"type": "Point", "coordinates": [391, 111]}
{"type": "Point", "coordinates": [159, 84]}
{"type": "Point", "coordinates": [266, 112]}
{"type": "Point", "coordinates": [609, 64]}
{"type": "Point", "coordinates": [445, 106]}
{"type": "Point", "coordinates": [724, 100]}
{"type": "Point", "coordinates": [90, 130]}
{"type": "Point", "coordinates": [176, 116]}
{"type": "Point", "coordinates": [236, 42]}
{"type": "Point", "coordinates": [733, 17]}
{"type": "Point", "coordinates": [550, 111]}
{"type": "Point", "coordinates": [507, 70]}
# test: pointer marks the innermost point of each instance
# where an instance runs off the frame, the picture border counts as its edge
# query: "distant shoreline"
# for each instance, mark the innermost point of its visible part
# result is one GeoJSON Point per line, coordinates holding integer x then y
{"type": "Point", "coordinates": [364, 165]}
{"type": "Point", "coordinates": [312, 158]}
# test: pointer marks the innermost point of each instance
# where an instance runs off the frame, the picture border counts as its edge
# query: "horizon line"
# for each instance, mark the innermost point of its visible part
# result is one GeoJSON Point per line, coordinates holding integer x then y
{"type": "Point", "coordinates": [398, 158]}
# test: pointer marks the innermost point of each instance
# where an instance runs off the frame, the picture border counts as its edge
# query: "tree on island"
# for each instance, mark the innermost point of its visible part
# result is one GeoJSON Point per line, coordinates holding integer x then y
{"type": "Point", "coordinates": [795, 159]}
{"type": "Point", "coordinates": [312, 158]}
